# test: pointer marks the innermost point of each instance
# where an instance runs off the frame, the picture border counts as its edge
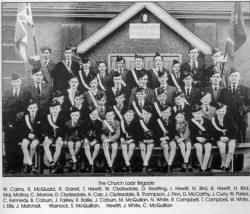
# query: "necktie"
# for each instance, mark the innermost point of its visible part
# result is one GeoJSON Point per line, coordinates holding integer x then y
{"type": "Point", "coordinates": [233, 89]}
{"type": "Point", "coordinates": [179, 108]}
{"type": "Point", "coordinates": [177, 76]}
{"type": "Point", "coordinates": [68, 63]}
{"type": "Point", "coordinates": [215, 88]}
{"type": "Point", "coordinates": [188, 92]}
{"type": "Point", "coordinates": [207, 108]}
{"type": "Point", "coordinates": [38, 89]}
{"type": "Point", "coordinates": [193, 67]}
{"type": "Point", "coordinates": [15, 94]}
{"type": "Point", "coordinates": [140, 104]}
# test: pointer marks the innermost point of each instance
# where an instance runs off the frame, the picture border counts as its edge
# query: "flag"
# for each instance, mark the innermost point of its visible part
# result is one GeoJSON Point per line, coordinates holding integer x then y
{"type": "Point", "coordinates": [24, 20]}
{"type": "Point", "coordinates": [237, 32]}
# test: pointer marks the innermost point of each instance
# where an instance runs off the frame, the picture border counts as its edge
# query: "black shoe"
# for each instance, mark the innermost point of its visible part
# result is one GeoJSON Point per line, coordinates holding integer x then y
{"type": "Point", "coordinates": [92, 169]}
{"type": "Point", "coordinates": [171, 168]}
{"type": "Point", "coordinates": [53, 169]}
{"type": "Point", "coordinates": [129, 169]}
{"type": "Point", "coordinates": [208, 170]}
{"type": "Point", "coordinates": [144, 169]}
{"type": "Point", "coordinates": [74, 166]}
{"type": "Point", "coordinates": [165, 169]}
{"type": "Point", "coordinates": [108, 170]}
{"type": "Point", "coordinates": [227, 169]}
{"type": "Point", "coordinates": [183, 169]}
{"type": "Point", "coordinates": [33, 169]}
{"type": "Point", "coordinates": [149, 169]}
{"type": "Point", "coordinates": [88, 168]}
{"type": "Point", "coordinates": [112, 170]}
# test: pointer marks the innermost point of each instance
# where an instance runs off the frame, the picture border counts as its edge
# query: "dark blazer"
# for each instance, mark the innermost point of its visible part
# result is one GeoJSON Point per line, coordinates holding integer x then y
{"type": "Point", "coordinates": [228, 125]}
{"type": "Point", "coordinates": [85, 77]}
{"type": "Point", "coordinates": [170, 128]}
{"type": "Point", "coordinates": [61, 74]}
{"type": "Point", "coordinates": [122, 111]}
{"type": "Point", "coordinates": [173, 76]}
{"type": "Point", "coordinates": [47, 70]}
{"type": "Point", "coordinates": [111, 95]}
{"type": "Point", "coordinates": [153, 79]}
{"type": "Point", "coordinates": [160, 106]}
{"type": "Point", "coordinates": [186, 109]}
{"type": "Point", "coordinates": [74, 133]}
{"type": "Point", "coordinates": [236, 101]}
{"type": "Point", "coordinates": [195, 131]}
{"type": "Point", "coordinates": [60, 123]}
{"type": "Point", "coordinates": [36, 126]}
{"type": "Point", "coordinates": [131, 130]}
{"type": "Point", "coordinates": [92, 129]}
{"type": "Point", "coordinates": [137, 104]}
{"type": "Point", "coordinates": [197, 75]}
{"type": "Point", "coordinates": [106, 81]}
{"type": "Point", "coordinates": [150, 96]}
{"type": "Point", "coordinates": [148, 135]}
{"type": "Point", "coordinates": [131, 80]}
{"type": "Point", "coordinates": [11, 106]}
{"type": "Point", "coordinates": [43, 99]}
{"type": "Point", "coordinates": [88, 99]}
{"type": "Point", "coordinates": [195, 96]}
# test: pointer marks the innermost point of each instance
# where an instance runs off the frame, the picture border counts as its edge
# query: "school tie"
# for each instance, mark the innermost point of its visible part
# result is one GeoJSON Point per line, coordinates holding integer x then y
{"type": "Point", "coordinates": [15, 95]}
{"type": "Point", "coordinates": [38, 89]}
{"type": "Point", "coordinates": [140, 104]}
{"type": "Point", "coordinates": [188, 92]}
{"type": "Point", "coordinates": [193, 67]}
{"type": "Point", "coordinates": [215, 89]}
{"type": "Point", "coordinates": [68, 63]}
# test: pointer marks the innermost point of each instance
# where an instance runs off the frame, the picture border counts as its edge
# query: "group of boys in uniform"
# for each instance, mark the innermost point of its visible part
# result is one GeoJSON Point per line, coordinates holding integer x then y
{"type": "Point", "coordinates": [77, 106]}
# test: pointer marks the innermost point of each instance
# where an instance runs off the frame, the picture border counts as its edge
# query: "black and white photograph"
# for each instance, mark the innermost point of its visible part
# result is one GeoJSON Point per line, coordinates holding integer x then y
{"type": "Point", "coordinates": [122, 93]}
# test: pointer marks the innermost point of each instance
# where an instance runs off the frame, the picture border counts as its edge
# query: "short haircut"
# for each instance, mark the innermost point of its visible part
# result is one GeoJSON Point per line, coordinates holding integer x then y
{"type": "Point", "coordinates": [43, 49]}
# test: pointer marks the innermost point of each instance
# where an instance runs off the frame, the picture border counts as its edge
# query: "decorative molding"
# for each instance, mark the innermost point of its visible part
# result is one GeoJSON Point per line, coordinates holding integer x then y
{"type": "Point", "coordinates": [134, 9]}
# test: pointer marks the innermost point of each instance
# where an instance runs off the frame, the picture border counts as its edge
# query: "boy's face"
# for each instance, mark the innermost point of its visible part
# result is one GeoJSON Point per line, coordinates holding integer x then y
{"type": "Point", "coordinates": [102, 101]}
{"type": "Point", "coordinates": [215, 79]}
{"type": "Point", "coordinates": [68, 54]}
{"type": "Point", "coordinates": [140, 95]}
{"type": "Point", "coordinates": [16, 84]}
{"type": "Point", "coordinates": [217, 56]}
{"type": "Point", "coordinates": [162, 98]}
{"type": "Point", "coordinates": [32, 109]}
{"type": "Point", "coordinates": [46, 54]}
{"type": "Point", "coordinates": [146, 115]}
{"type": "Point", "coordinates": [163, 79]}
{"type": "Point", "coordinates": [143, 80]}
{"type": "Point", "coordinates": [193, 54]}
{"type": "Point", "coordinates": [197, 115]}
{"type": "Point", "coordinates": [120, 64]}
{"type": "Point", "coordinates": [138, 63]}
{"type": "Point", "coordinates": [120, 99]}
{"type": "Point", "coordinates": [102, 67]}
{"type": "Point", "coordinates": [78, 100]}
{"type": "Point", "coordinates": [37, 77]}
{"type": "Point", "coordinates": [54, 109]}
{"type": "Point", "coordinates": [179, 101]}
{"type": "Point", "coordinates": [180, 118]}
{"type": "Point", "coordinates": [166, 114]}
{"type": "Point", "coordinates": [117, 80]}
{"type": "Point", "coordinates": [94, 115]}
{"type": "Point", "coordinates": [129, 116]}
{"type": "Point", "coordinates": [158, 62]}
{"type": "Point", "coordinates": [86, 65]}
{"type": "Point", "coordinates": [176, 67]}
{"type": "Point", "coordinates": [75, 116]}
{"type": "Point", "coordinates": [73, 83]}
{"type": "Point", "coordinates": [93, 83]}
{"type": "Point", "coordinates": [206, 100]}
{"type": "Point", "coordinates": [221, 112]}
{"type": "Point", "coordinates": [188, 81]}
{"type": "Point", "coordinates": [110, 116]}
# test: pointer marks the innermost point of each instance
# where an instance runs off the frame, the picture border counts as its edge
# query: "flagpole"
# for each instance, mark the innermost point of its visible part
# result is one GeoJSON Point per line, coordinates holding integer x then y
{"type": "Point", "coordinates": [34, 39]}
{"type": "Point", "coordinates": [223, 64]}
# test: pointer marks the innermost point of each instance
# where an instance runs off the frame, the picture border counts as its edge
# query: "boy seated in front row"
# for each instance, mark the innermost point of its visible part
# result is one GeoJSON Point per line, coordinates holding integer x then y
{"type": "Point", "coordinates": [30, 129]}
{"type": "Point", "coordinates": [166, 136]}
{"type": "Point", "coordinates": [146, 136]}
{"type": "Point", "coordinates": [200, 134]}
{"type": "Point", "coordinates": [109, 137]}
{"type": "Point", "coordinates": [224, 135]}
{"type": "Point", "coordinates": [54, 133]}
{"type": "Point", "coordinates": [73, 131]}
{"type": "Point", "coordinates": [91, 140]}
{"type": "Point", "coordinates": [128, 137]}
{"type": "Point", "coordinates": [182, 138]}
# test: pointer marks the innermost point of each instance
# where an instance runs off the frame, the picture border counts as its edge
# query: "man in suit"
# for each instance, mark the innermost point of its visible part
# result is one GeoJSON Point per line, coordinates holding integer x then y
{"type": "Point", "coordinates": [169, 90]}
{"type": "Point", "coordinates": [154, 72]}
{"type": "Point", "coordinates": [121, 69]}
{"type": "Point", "coordinates": [47, 63]}
{"type": "Point", "coordinates": [63, 70]}
{"type": "Point", "coordinates": [136, 72]}
{"type": "Point", "coordinates": [192, 94]}
{"type": "Point", "coordinates": [194, 66]}
{"type": "Point", "coordinates": [39, 91]}
{"type": "Point", "coordinates": [84, 74]}
{"type": "Point", "coordinates": [103, 76]}
{"type": "Point", "coordinates": [13, 110]}
{"type": "Point", "coordinates": [237, 98]}
{"type": "Point", "coordinates": [215, 87]}
{"type": "Point", "coordinates": [175, 75]}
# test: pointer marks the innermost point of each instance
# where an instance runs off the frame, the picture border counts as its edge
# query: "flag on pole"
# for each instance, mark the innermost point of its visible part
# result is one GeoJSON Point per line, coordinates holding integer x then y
{"type": "Point", "coordinates": [237, 32]}
{"type": "Point", "coordinates": [24, 20]}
